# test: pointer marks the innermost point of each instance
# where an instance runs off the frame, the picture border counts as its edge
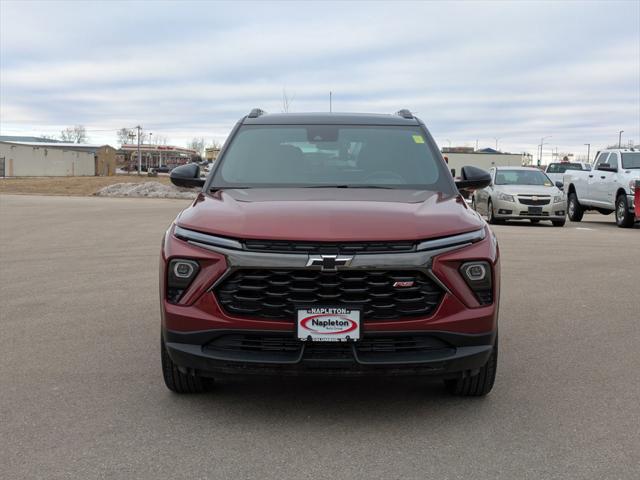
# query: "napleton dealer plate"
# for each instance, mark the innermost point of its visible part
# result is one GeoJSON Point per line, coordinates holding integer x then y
{"type": "Point", "coordinates": [328, 324]}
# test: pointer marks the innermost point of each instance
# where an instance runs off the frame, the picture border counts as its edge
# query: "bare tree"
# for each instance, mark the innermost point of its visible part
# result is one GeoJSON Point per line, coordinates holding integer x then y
{"type": "Point", "coordinates": [286, 101]}
{"type": "Point", "coordinates": [125, 136]}
{"type": "Point", "coordinates": [77, 134]}
{"type": "Point", "coordinates": [46, 136]}
{"type": "Point", "coordinates": [214, 144]}
{"type": "Point", "coordinates": [161, 140]}
{"type": "Point", "coordinates": [197, 144]}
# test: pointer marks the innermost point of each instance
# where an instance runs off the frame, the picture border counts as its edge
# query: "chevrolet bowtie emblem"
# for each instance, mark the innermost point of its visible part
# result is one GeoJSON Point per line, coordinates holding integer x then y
{"type": "Point", "coordinates": [329, 262]}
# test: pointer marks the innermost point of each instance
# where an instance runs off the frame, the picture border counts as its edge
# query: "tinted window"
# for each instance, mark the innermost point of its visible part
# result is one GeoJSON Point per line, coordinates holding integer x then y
{"type": "Point", "coordinates": [631, 160]}
{"type": "Point", "coordinates": [522, 177]}
{"type": "Point", "coordinates": [332, 155]}
{"type": "Point", "coordinates": [602, 158]}
{"type": "Point", "coordinates": [563, 167]}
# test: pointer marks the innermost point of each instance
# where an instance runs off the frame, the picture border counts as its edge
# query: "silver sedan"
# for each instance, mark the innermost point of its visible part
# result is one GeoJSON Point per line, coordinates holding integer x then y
{"type": "Point", "coordinates": [521, 193]}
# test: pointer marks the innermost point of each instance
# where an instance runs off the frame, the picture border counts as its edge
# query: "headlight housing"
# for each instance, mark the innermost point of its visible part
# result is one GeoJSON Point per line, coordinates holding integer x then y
{"type": "Point", "coordinates": [558, 198]}
{"type": "Point", "coordinates": [506, 197]}
{"type": "Point", "coordinates": [478, 277]}
{"type": "Point", "coordinates": [180, 274]}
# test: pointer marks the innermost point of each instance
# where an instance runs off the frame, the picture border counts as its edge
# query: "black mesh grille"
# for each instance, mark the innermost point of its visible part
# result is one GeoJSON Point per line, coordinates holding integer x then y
{"type": "Point", "coordinates": [529, 201]}
{"type": "Point", "coordinates": [276, 294]}
{"type": "Point", "coordinates": [325, 247]}
{"type": "Point", "coordinates": [485, 297]}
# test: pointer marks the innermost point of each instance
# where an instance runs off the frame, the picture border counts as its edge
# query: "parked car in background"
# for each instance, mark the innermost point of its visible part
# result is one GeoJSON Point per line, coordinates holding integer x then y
{"type": "Point", "coordinates": [520, 193]}
{"type": "Point", "coordinates": [608, 188]}
{"type": "Point", "coordinates": [556, 171]}
{"type": "Point", "coordinates": [163, 169]}
{"type": "Point", "coordinates": [301, 257]}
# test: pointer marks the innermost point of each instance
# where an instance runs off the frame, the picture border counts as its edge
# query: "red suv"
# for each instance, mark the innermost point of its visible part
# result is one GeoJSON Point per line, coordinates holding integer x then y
{"type": "Point", "coordinates": [330, 244]}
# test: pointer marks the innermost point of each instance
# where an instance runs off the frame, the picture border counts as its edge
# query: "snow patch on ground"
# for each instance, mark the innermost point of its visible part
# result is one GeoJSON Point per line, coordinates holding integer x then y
{"type": "Point", "coordinates": [146, 189]}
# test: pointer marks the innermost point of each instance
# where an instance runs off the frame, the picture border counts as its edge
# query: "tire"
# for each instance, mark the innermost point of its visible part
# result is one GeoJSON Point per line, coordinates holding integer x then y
{"type": "Point", "coordinates": [477, 385]}
{"type": "Point", "coordinates": [492, 219]}
{"type": "Point", "coordinates": [624, 218]}
{"type": "Point", "coordinates": [558, 223]}
{"type": "Point", "coordinates": [179, 382]}
{"type": "Point", "coordinates": [574, 209]}
{"type": "Point", "coordinates": [535, 220]}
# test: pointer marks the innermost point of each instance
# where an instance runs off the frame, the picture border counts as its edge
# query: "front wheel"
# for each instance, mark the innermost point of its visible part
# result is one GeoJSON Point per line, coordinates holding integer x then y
{"type": "Point", "coordinates": [490, 214]}
{"type": "Point", "coordinates": [477, 385]}
{"type": "Point", "coordinates": [574, 208]}
{"type": "Point", "coordinates": [624, 218]}
{"type": "Point", "coordinates": [179, 382]}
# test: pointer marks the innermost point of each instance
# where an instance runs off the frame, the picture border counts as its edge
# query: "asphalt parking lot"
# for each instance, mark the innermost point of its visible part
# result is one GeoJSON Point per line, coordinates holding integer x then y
{"type": "Point", "coordinates": [81, 392]}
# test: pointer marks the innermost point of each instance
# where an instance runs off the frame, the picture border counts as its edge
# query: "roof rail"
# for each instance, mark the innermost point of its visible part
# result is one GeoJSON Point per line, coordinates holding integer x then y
{"type": "Point", "coordinates": [256, 112]}
{"type": "Point", "coordinates": [404, 113]}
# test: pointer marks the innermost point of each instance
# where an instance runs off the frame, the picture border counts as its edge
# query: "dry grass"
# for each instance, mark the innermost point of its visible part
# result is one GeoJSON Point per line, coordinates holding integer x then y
{"type": "Point", "coordinates": [76, 186]}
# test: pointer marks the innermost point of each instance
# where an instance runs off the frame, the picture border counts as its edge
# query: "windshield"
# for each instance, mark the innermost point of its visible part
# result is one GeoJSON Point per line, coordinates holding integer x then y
{"type": "Point", "coordinates": [522, 177]}
{"type": "Point", "coordinates": [344, 156]}
{"type": "Point", "coordinates": [631, 160]}
{"type": "Point", "coordinates": [563, 167]}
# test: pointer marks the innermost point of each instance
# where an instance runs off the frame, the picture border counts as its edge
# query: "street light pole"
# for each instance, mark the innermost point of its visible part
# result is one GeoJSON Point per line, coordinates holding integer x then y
{"type": "Point", "coordinates": [139, 128]}
{"type": "Point", "coordinates": [588, 152]}
{"type": "Point", "coordinates": [496, 139]}
{"type": "Point", "coordinates": [620, 138]}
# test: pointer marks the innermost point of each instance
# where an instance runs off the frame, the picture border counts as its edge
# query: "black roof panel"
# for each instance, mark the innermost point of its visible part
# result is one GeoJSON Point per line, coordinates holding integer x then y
{"type": "Point", "coordinates": [329, 119]}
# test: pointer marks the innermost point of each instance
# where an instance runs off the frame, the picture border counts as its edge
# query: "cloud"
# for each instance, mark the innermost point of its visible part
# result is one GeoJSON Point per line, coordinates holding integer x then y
{"type": "Point", "coordinates": [471, 70]}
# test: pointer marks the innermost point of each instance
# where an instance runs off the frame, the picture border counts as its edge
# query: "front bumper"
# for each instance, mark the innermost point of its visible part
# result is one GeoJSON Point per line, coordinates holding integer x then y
{"type": "Point", "coordinates": [440, 354]}
{"type": "Point", "coordinates": [515, 210]}
{"type": "Point", "coordinates": [463, 326]}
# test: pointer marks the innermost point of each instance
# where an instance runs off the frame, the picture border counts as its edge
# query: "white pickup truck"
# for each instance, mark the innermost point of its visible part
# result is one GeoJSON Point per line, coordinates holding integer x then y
{"type": "Point", "coordinates": [609, 187]}
{"type": "Point", "coordinates": [555, 171]}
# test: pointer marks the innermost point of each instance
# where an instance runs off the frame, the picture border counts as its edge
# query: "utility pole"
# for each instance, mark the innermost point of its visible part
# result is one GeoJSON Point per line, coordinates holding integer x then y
{"type": "Point", "coordinates": [139, 128]}
{"type": "Point", "coordinates": [541, 144]}
{"type": "Point", "coordinates": [496, 139]}
{"type": "Point", "coordinates": [588, 152]}
{"type": "Point", "coordinates": [330, 101]}
{"type": "Point", "coordinates": [476, 145]}
{"type": "Point", "coordinates": [620, 138]}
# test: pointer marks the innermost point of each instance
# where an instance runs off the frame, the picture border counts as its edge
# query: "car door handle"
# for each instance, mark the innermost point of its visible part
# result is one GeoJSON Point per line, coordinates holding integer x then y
{"type": "Point", "coordinates": [603, 176]}
{"type": "Point", "coordinates": [590, 176]}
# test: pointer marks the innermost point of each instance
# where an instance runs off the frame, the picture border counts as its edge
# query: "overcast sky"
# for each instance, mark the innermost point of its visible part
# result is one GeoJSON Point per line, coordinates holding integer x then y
{"type": "Point", "coordinates": [472, 70]}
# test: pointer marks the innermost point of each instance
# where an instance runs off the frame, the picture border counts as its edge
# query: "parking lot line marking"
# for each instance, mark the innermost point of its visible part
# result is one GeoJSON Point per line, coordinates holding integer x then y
{"type": "Point", "coordinates": [584, 228]}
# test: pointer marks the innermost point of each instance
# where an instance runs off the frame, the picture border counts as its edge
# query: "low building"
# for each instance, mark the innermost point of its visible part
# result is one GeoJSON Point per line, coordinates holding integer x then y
{"type": "Point", "coordinates": [211, 153]}
{"type": "Point", "coordinates": [153, 156]}
{"type": "Point", "coordinates": [35, 161]}
{"type": "Point", "coordinates": [458, 157]}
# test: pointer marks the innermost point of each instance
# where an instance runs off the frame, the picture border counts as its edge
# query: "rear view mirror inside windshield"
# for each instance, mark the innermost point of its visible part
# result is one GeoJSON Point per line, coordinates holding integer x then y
{"type": "Point", "coordinates": [322, 133]}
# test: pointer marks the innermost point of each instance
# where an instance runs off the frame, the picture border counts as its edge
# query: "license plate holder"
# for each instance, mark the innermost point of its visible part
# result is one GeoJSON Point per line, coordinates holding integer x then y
{"type": "Point", "coordinates": [535, 210]}
{"type": "Point", "coordinates": [328, 324]}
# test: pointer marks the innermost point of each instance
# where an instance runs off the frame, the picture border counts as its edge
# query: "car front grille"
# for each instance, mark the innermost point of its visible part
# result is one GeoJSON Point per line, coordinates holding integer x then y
{"type": "Point", "coordinates": [531, 201]}
{"type": "Point", "coordinates": [533, 214]}
{"type": "Point", "coordinates": [277, 294]}
{"type": "Point", "coordinates": [282, 246]}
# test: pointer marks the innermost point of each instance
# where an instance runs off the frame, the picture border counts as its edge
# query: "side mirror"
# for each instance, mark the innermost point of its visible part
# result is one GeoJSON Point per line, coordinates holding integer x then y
{"type": "Point", "coordinates": [607, 167]}
{"type": "Point", "coordinates": [187, 176]}
{"type": "Point", "coordinates": [473, 178]}
{"type": "Point", "coordinates": [560, 185]}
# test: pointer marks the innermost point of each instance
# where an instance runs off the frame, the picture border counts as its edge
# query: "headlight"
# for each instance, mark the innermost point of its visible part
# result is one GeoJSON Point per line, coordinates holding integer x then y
{"type": "Point", "coordinates": [180, 274]}
{"type": "Point", "coordinates": [478, 277]}
{"type": "Point", "coordinates": [505, 197]}
{"type": "Point", "coordinates": [558, 199]}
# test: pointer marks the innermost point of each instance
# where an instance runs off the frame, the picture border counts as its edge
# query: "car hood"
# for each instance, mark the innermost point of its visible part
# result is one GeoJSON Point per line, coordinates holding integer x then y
{"type": "Point", "coordinates": [329, 214]}
{"type": "Point", "coordinates": [527, 189]}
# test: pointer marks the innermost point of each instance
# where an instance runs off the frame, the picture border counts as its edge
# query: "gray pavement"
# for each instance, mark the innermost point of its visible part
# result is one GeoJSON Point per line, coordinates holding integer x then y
{"type": "Point", "coordinates": [81, 393]}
